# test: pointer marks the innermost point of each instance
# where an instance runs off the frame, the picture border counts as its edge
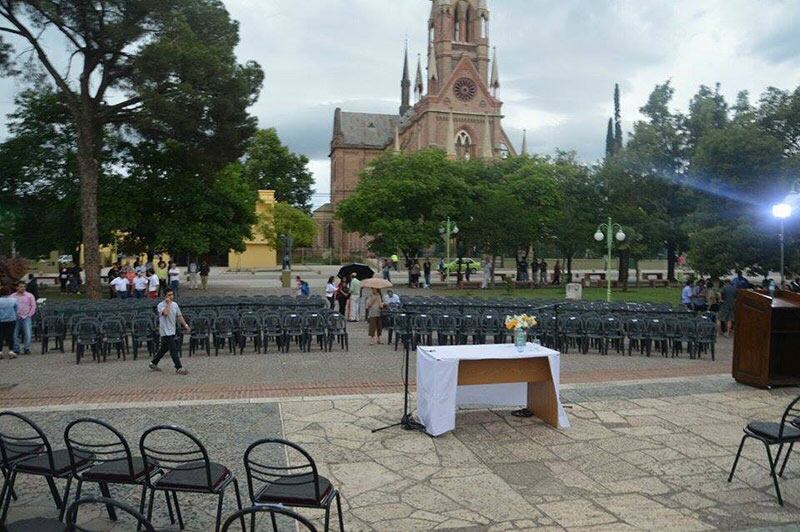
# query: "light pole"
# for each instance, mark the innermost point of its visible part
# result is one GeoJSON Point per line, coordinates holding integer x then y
{"type": "Point", "coordinates": [447, 231]}
{"type": "Point", "coordinates": [781, 211]}
{"type": "Point", "coordinates": [609, 228]}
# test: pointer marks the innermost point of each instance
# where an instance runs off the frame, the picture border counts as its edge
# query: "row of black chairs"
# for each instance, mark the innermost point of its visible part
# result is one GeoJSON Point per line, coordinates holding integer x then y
{"type": "Point", "coordinates": [171, 460]}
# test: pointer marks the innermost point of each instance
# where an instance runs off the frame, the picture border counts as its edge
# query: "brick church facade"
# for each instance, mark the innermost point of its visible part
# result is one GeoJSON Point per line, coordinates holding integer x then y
{"type": "Point", "coordinates": [455, 109]}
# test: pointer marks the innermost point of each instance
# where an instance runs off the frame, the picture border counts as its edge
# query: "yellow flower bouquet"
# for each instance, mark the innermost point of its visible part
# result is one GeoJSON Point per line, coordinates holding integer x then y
{"type": "Point", "coordinates": [520, 322]}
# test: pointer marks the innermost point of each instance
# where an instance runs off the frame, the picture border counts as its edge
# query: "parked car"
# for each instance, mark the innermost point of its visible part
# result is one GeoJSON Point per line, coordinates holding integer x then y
{"type": "Point", "coordinates": [65, 259]}
{"type": "Point", "coordinates": [473, 265]}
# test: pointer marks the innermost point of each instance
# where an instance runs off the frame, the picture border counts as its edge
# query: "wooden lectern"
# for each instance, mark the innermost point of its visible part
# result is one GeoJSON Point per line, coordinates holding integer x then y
{"type": "Point", "coordinates": [766, 344]}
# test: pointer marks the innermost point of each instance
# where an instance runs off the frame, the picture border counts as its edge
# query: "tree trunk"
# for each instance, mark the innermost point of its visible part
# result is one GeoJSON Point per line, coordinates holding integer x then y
{"type": "Point", "coordinates": [569, 267]}
{"type": "Point", "coordinates": [671, 261]}
{"type": "Point", "coordinates": [89, 168]}
{"type": "Point", "coordinates": [624, 256]}
{"type": "Point", "coordinates": [491, 279]}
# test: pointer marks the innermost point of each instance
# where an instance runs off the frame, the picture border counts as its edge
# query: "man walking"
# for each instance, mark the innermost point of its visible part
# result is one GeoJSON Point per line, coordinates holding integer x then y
{"type": "Point", "coordinates": [26, 308]}
{"type": "Point", "coordinates": [204, 271]}
{"type": "Point", "coordinates": [355, 297]}
{"type": "Point", "coordinates": [168, 314]}
{"type": "Point", "coordinates": [8, 322]}
{"type": "Point", "coordinates": [426, 271]}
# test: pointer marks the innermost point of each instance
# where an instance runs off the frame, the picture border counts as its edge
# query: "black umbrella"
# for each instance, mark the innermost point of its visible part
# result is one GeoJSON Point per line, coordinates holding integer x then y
{"type": "Point", "coordinates": [362, 271]}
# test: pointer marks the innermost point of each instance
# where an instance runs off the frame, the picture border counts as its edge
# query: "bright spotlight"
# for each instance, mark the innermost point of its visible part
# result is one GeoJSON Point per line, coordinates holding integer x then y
{"type": "Point", "coordinates": [599, 236]}
{"type": "Point", "coordinates": [781, 210]}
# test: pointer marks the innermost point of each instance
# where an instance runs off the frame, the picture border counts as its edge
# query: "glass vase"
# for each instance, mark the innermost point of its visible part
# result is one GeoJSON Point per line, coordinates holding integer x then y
{"type": "Point", "coordinates": [520, 338]}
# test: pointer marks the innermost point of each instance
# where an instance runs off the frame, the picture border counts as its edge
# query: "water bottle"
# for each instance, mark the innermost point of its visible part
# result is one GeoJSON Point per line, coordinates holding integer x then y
{"type": "Point", "coordinates": [772, 287]}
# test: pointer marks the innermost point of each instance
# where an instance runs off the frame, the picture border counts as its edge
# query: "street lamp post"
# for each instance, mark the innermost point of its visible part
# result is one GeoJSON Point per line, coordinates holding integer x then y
{"type": "Point", "coordinates": [612, 231]}
{"type": "Point", "coordinates": [447, 231]}
{"type": "Point", "coordinates": [781, 211]}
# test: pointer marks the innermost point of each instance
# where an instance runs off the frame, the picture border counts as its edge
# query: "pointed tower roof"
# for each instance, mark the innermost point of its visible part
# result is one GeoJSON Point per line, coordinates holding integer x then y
{"type": "Point", "coordinates": [405, 85]}
{"type": "Point", "coordinates": [418, 86]}
{"type": "Point", "coordinates": [494, 83]}
{"type": "Point", "coordinates": [524, 142]}
{"type": "Point", "coordinates": [451, 137]}
{"type": "Point", "coordinates": [405, 65]}
{"type": "Point", "coordinates": [486, 144]}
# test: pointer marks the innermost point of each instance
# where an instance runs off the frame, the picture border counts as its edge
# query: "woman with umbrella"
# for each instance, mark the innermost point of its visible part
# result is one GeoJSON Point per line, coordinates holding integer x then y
{"type": "Point", "coordinates": [342, 295]}
{"type": "Point", "coordinates": [374, 305]}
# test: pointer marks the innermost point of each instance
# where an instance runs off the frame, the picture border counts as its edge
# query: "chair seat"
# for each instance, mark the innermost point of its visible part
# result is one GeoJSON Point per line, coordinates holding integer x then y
{"type": "Point", "coordinates": [297, 490]}
{"type": "Point", "coordinates": [19, 451]}
{"type": "Point", "coordinates": [40, 464]}
{"type": "Point", "coordinates": [118, 471]}
{"type": "Point", "coordinates": [192, 476]}
{"type": "Point", "coordinates": [770, 430]}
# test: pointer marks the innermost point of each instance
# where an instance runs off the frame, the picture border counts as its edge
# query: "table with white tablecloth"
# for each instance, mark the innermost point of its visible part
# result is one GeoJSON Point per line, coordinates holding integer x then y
{"type": "Point", "coordinates": [496, 375]}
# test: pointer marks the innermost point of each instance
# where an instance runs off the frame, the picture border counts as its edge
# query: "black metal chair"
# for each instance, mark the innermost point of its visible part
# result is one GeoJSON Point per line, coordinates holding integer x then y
{"type": "Point", "coordinates": [337, 329]}
{"type": "Point", "coordinates": [113, 335]}
{"type": "Point", "coordinates": [19, 439]}
{"type": "Point", "coordinates": [142, 523]}
{"type": "Point", "coordinates": [469, 326]}
{"type": "Point", "coordinates": [613, 335]}
{"type": "Point", "coordinates": [112, 460]}
{"type": "Point", "coordinates": [184, 461]}
{"type": "Point", "coordinates": [143, 333]}
{"type": "Point", "coordinates": [636, 330]}
{"type": "Point", "coordinates": [271, 329]}
{"type": "Point", "coordinates": [316, 327]}
{"type": "Point", "coordinates": [773, 433]}
{"type": "Point", "coordinates": [298, 485]}
{"type": "Point", "coordinates": [200, 335]}
{"type": "Point", "coordinates": [87, 336]}
{"type": "Point", "coordinates": [293, 330]}
{"type": "Point", "coordinates": [224, 332]}
{"type": "Point", "coordinates": [447, 329]}
{"type": "Point", "coordinates": [296, 519]}
{"type": "Point", "coordinates": [249, 329]}
{"type": "Point", "coordinates": [706, 337]}
{"type": "Point", "coordinates": [422, 327]}
{"type": "Point", "coordinates": [53, 327]}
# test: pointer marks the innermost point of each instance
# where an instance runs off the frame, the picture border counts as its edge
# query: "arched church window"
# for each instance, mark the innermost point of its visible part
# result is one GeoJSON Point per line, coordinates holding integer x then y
{"type": "Point", "coordinates": [457, 32]}
{"type": "Point", "coordinates": [484, 27]}
{"type": "Point", "coordinates": [503, 149]}
{"type": "Point", "coordinates": [463, 145]}
{"type": "Point", "coordinates": [468, 21]}
{"type": "Point", "coordinates": [329, 235]}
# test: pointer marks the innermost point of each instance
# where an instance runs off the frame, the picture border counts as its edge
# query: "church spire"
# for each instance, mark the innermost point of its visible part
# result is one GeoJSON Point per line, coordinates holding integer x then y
{"type": "Point", "coordinates": [524, 142]}
{"type": "Point", "coordinates": [495, 81]}
{"type": "Point", "coordinates": [418, 86]}
{"type": "Point", "coordinates": [405, 86]}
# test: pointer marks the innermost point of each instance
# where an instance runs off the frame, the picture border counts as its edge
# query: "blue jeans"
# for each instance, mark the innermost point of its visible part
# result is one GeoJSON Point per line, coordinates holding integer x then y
{"type": "Point", "coordinates": [139, 294]}
{"type": "Point", "coordinates": [24, 326]}
{"type": "Point", "coordinates": [174, 285]}
{"type": "Point", "coordinates": [122, 294]}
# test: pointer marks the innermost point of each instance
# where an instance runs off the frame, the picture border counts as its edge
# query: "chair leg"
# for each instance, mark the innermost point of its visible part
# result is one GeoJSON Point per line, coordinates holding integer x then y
{"type": "Point", "coordinates": [339, 511]}
{"type": "Point", "coordinates": [177, 509]}
{"type": "Point", "coordinates": [150, 505]}
{"type": "Point", "coordinates": [219, 510]}
{"type": "Point", "coordinates": [239, 501]}
{"type": "Point", "coordinates": [54, 492]}
{"type": "Point", "coordinates": [786, 459]}
{"type": "Point", "coordinates": [274, 522]}
{"type": "Point", "coordinates": [5, 484]}
{"type": "Point", "coordinates": [141, 504]}
{"type": "Point", "coordinates": [169, 508]}
{"type": "Point", "coordinates": [7, 501]}
{"type": "Point", "coordinates": [772, 473]}
{"type": "Point", "coordinates": [327, 517]}
{"type": "Point", "coordinates": [736, 460]}
{"type": "Point", "coordinates": [112, 514]}
{"type": "Point", "coordinates": [65, 499]}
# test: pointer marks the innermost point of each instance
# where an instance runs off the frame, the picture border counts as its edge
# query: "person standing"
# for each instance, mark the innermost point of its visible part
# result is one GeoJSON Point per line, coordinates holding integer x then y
{"type": "Point", "coordinates": [426, 270]}
{"type": "Point", "coordinates": [140, 283]}
{"type": "Point", "coordinates": [112, 274]}
{"type": "Point", "coordinates": [26, 308]}
{"type": "Point", "coordinates": [163, 275]}
{"type": "Point", "coordinates": [543, 272]}
{"type": "Point", "coordinates": [193, 275]}
{"type": "Point", "coordinates": [63, 277]}
{"type": "Point", "coordinates": [8, 323]}
{"type": "Point", "coordinates": [487, 273]}
{"type": "Point", "coordinates": [130, 275]}
{"type": "Point", "coordinates": [174, 278]}
{"type": "Point", "coordinates": [557, 273]}
{"type": "Point", "coordinates": [727, 307]}
{"type": "Point", "coordinates": [355, 297]}
{"type": "Point", "coordinates": [686, 295]}
{"type": "Point", "coordinates": [298, 284]}
{"type": "Point", "coordinates": [330, 291]}
{"type": "Point", "coordinates": [740, 282]}
{"type": "Point", "coordinates": [342, 294]}
{"type": "Point", "coordinates": [120, 286]}
{"type": "Point", "coordinates": [713, 298]}
{"type": "Point", "coordinates": [442, 270]}
{"type": "Point", "coordinates": [373, 306]}
{"type": "Point", "coordinates": [152, 284]}
{"type": "Point", "coordinates": [535, 271]}
{"type": "Point", "coordinates": [168, 314]}
{"type": "Point", "coordinates": [395, 260]}
{"type": "Point", "coordinates": [33, 286]}
{"type": "Point", "coordinates": [204, 271]}
{"type": "Point", "coordinates": [387, 272]}
{"type": "Point", "coordinates": [415, 271]}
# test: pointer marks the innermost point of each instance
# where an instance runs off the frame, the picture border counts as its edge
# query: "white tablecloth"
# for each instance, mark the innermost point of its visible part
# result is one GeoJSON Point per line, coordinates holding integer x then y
{"type": "Point", "coordinates": [438, 392]}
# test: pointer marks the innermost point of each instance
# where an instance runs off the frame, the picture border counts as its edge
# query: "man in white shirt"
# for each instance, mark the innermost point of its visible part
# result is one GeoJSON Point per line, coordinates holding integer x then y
{"type": "Point", "coordinates": [120, 284]}
{"type": "Point", "coordinates": [140, 285]}
{"type": "Point", "coordinates": [153, 282]}
{"type": "Point", "coordinates": [193, 275]}
{"type": "Point", "coordinates": [392, 298]}
{"type": "Point", "coordinates": [168, 314]}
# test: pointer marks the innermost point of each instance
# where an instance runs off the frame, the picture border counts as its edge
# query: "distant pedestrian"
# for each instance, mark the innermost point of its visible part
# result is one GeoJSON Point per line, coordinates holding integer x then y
{"type": "Point", "coordinates": [395, 261]}
{"type": "Point", "coordinates": [26, 308]}
{"type": "Point", "coordinates": [8, 323]}
{"type": "Point", "coordinates": [140, 283]}
{"type": "Point", "coordinates": [686, 294]}
{"type": "Point", "coordinates": [386, 270]}
{"type": "Point", "coordinates": [355, 298]}
{"type": "Point", "coordinates": [152, 284]}
{"type": "Point", "coordinates": [330, 291]}
{"type": "Point", "coordinates": [33, 286]}
{"type": "Point", "coordinates": [426, 271]}
{"type": "Point", "coordinates": [557, 273]}
{"type": "Point", "coordinates": [543, 272]}
{"type": "Point", "coordinates": [342, 295]}
{"type": "Point", "coordinates": [487, 274]}
{"type": "Point", "coordinates": [373, 306]}
{"type": "Point", "coordinates": [168, 314]}
{"type": "Point", "coordinates": [305, 290]}
{"type": "Point", "coordinates": [392, 298]}
{"type": "Point", "coordinates": [112, 274]}
{"type": "Point", "coordinates": [415, 271]}
{"type": "Point", "coordinates": [174, 279]}
{"type": "Point", "coordinates": [468, 271]}
{"type": "Point", "coordinates": [63, 278]}
{"type": "Point", "coordinates": [193, 275]}
{"type": "Point", "coordinates": [442, 268]}
{"type": "Point", "coordinates": [162, 270]}
{"type": "Point", "coordinates": [535, 271]}
{"type": "Point", "coordinates": [204, 271]}
{"type": "Point", "coordinates": [713, 296]}
{"type": "Point", "coordinates": [120, 286]}
{"type": "Point", "coordinates": [727, 307]}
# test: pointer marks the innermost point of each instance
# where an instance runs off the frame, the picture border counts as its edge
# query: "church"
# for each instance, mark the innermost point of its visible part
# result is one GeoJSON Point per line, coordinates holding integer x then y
{"type": "Point", "coordinates": [455, 108]}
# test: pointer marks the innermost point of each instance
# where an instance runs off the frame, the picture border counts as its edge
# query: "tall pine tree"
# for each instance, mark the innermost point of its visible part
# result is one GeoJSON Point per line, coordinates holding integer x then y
{"type": "Point", "coordinates": [617, 121]}
{"type": "Point", "coordinates": [610, 138]}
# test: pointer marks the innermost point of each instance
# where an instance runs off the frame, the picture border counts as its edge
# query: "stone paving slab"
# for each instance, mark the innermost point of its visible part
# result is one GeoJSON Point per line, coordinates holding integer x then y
{"type": "Point", "coordinates": [640, 456]}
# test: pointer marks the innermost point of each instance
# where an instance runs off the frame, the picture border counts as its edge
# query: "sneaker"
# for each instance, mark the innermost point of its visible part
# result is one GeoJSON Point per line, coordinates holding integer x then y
{"type": "Point", "coordinates": [11, 354]}
{"type": "Point", "coordinates": [27, 351]}
{"type": "Point", "coordinates": [181, 371]}
{"type": "Point", "coordinates": [154, 367]}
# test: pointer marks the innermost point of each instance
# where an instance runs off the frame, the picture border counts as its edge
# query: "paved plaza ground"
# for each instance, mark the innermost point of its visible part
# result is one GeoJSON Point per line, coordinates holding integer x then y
{"type": "Point", "coordinates": [651, 442]}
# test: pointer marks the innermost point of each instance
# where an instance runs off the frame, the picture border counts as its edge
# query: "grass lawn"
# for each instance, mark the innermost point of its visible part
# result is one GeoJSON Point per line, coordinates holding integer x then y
{"type": "Point", "coordinates": [633, 295]}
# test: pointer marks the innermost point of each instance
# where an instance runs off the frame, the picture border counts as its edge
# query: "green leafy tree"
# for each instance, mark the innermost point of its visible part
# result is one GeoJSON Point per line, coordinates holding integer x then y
{"type": "Point", "coordinates": [285, 220]}
{"type": "Point", "coordinates": [269, 165]}
{"type": "Point", "coordinates": [610, 138]}
{"type": "Point", "coordinates": [617, 121]}
{"type": "Point", "coordinates": [165, 68]}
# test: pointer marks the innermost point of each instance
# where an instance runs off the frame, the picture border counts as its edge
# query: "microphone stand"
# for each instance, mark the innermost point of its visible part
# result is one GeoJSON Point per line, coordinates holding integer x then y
{"type": "Point", "coordinates": [407, 422]}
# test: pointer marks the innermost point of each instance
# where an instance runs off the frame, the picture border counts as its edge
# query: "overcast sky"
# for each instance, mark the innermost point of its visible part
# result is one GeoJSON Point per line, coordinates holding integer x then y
{"type": "Point", "coordinates": [558, 60]}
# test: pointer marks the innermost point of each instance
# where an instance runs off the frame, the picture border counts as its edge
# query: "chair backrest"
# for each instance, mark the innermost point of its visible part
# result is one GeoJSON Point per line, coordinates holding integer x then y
{"type": "Point", "coordinates": [112, 327]}
{"type": "Point", "coordinates": [223, 324]}
{"type": "Point", "coordinates": [271, 322]}
{"type": "Point", "coordinates": [316, 321]}
{"type": "Point", "coordinates": [96, 437]}
{"type": "Point", "coordinates": [297, 519]}
{"type": "Point", "coordinates": [72, 513]}
{"type": "Point", "coordinates": [53, 324]}
{"type": "Point", "coordinates": [302, 473]}
{"type": "Point", "coordinates": [336, 323]}
{"type": "Point", "coordinates": [249, 322]}
{"type": "Point", "coordinates": [293, 322]}
{"type": "Point", "coordinates": [171, 448]}
{"type": "Point", "coordinates": [142, 326]}
{"type": "Point", "coordinates": [791, 414]}
{"type": "Point", "coordinates": [20, 437]}
{"type": "Point", "coordinates": [87, 329]}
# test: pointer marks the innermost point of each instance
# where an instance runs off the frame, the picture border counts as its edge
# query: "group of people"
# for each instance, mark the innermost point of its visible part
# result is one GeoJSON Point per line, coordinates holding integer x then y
{"type": "Point", "coordinates": [720, 297]}
{"type": "Point", "coordinates": [151, 280]}
{"type": "Point", "coordinates": [348, 293]}
{"type": "Point", "coordinates": [16, 319]}
{"type": "Point", "coordinates": [70, 279]}
{"type": "Point", "coordinates": [537, 272]}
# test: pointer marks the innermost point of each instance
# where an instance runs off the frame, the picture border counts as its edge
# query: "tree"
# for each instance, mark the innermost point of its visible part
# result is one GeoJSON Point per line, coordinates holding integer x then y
{"type": "Point", "coordinates": [402, 200]}
{"type": "Point", "coordinates": [610, 138]}
{"type": "Point", "coordinates": [166, 68]}
{"type": "Point", "coordinates": [617, 121]}
{"type": "Point", "coordinates": [283, 219]}
{"type": "Point", "coordinates": [269, 165]}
